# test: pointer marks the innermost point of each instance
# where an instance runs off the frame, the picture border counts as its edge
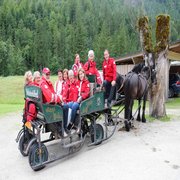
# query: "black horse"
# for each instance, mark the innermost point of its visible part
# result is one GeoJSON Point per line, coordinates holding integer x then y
{"type": "Point", "coordinates": [135, 86]}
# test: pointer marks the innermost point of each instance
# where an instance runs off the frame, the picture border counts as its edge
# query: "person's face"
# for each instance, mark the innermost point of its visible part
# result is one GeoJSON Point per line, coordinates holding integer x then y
{"type": "Point", "coordinates": [30, 77]}
{"type": "Point", "coordinates": [60, 75]}
{"type": "Point", "coordinates": [91, 57]}
{"type": "Point", "coordinates": [37, 79]}
{"type": "Point", "coordinates": [71, 78]}
{"type": "Point", "coordinates": [65, 76]}
{"type": "Point", "coordinates": [47, 76]}
{"type": "Point", "coordinates": [77, 60]}
{"type": "Point", "coordinates": [81, 75]}
{"type": "Point", "coordinates": [106, 55]}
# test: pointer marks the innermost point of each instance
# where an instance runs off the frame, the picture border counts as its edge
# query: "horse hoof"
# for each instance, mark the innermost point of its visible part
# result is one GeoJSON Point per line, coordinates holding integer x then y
{"type": "Point", "coordinates": [138, 119]}
{"type": "Point", "coordinates": [127, 126]}
{"type": "Point", "coordinates": [144, 120]}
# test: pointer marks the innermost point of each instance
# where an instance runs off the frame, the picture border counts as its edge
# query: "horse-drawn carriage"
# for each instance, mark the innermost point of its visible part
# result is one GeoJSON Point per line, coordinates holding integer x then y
{"type": "Point", "coordinates": [49, 119]}
{"type": "Point", "coordinates": [90, 119]}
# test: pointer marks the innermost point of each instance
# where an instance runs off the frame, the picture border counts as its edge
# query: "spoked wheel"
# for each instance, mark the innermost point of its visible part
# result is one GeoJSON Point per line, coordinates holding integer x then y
{"type": "Point", "coordinates": [34, 156]}
{"type": "Point", "coordinates": [99, 133]}
{"type": "Point", "coordinates": [23, 143]}
{"type": "Point", "coordinates": [127, 125]}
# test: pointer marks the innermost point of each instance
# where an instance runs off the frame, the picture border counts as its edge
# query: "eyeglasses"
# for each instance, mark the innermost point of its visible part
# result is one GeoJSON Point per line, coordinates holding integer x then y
{"type": "Point", "coordinates": [48, 74]}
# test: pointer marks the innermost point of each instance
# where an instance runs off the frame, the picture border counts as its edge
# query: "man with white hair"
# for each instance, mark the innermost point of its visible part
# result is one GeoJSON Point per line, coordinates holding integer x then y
{"type": "Point", "coordinates": [90, 67]}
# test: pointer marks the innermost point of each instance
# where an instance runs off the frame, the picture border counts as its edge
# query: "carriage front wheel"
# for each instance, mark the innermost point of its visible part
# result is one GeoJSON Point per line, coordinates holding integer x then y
{"type": "Point", "coordinates": [34, 156]}
{"type": "Point", "coordinates": [99, 133]}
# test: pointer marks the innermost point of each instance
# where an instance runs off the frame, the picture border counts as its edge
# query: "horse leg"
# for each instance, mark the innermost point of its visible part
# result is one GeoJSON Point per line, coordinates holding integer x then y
{"type": "Point", "coordinates": [139, 110]}
{"type": "Point", "coordinates": [131, 108]}
{"type": "Point", "coordinates": [127, 113]}
{"type": "Point", "coordinates": [144, 107]}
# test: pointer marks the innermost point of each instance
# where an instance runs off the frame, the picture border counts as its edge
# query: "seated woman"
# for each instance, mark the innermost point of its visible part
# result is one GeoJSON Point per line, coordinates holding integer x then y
{"type": "Point", "coordinates": [59, 83]}
{"type": "Point", "coordinates": [28, 78]}
{"type": "Point", "coordinates": [83, 86]}
{"type": "Point", "coordinates": [77, 65]}
{"type": "Point", "coordinates": [90, 67]}
{"type": "Point", "coordinates": [37, 78]}
{"type": "Point", "coordinates": [70, 97]}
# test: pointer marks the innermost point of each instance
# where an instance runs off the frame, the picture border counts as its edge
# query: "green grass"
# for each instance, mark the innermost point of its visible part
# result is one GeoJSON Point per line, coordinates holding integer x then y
{"type": "Point", "coordinates": [12, 93]}
{"type": "Point", "coordinates": [7, 108]}
{"type": "Point", "coordinates": [173, 103]}
{"type": "Point", "coordinates": [164, 119]}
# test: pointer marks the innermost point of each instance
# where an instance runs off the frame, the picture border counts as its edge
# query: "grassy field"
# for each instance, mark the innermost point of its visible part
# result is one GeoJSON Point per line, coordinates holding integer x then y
{"type": "Point", "coordinates": [12, 95]}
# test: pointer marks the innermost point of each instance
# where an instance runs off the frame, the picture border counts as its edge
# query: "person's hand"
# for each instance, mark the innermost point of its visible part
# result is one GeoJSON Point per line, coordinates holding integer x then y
{"type": "Point", "coordinates": [113, 83]}
{"type": "Point", "coordinates": [79, 99]}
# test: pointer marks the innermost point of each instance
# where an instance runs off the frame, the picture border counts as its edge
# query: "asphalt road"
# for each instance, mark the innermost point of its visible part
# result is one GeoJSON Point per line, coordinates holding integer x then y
{"type": "Point", "coordinates": [151, 151]}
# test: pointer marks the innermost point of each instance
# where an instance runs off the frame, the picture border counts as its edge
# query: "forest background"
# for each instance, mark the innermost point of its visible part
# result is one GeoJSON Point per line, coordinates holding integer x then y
{"type": "Point", "coordinates": [39, 33]}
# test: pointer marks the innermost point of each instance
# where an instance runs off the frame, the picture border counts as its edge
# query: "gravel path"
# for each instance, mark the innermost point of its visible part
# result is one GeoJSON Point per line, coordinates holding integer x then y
{"type": "Point", "coordinates": [150, 151]}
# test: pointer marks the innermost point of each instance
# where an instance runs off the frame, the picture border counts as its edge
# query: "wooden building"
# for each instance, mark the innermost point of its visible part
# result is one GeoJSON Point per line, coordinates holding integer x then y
{"type": "Point", "coordinates": [126, 63]}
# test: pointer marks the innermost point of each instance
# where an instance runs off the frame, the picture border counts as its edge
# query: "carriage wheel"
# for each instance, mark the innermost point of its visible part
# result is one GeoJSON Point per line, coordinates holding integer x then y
{"type": "Point", "coordinates": [23, 143]}
{"type": "Point", "coordinates": [127, 125]}
{"type": "Point", "coordinates": [34, 159]}
{"type": "Point", "coordinates": [99, 133]}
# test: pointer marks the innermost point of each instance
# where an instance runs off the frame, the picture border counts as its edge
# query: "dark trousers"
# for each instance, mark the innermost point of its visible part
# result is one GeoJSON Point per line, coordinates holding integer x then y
{"type": "Point", "coordinates": [65, 116]}
{"type": "Point", "coordinates": [110, 91]}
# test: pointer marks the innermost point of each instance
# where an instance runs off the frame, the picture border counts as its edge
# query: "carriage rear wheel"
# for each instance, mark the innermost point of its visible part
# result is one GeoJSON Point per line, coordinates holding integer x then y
{"type": "Point", "coordinates": [99, 133]}
{"type": "Point", "coordinates": [34, 156]}
{"type": "Point", "coordinates": [23, 143]}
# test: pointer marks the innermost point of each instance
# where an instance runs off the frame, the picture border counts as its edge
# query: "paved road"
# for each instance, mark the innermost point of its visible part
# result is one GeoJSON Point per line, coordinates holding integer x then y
{"type": "Point", "coordinates": [149, 152]}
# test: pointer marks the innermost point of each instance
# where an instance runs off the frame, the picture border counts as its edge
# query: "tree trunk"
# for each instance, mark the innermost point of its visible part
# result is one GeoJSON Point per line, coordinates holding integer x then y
{"type": "Point", "coordinates": [157, 91]}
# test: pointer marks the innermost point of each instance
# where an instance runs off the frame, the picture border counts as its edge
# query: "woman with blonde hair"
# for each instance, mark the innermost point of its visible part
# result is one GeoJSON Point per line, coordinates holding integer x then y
{"type": "Point", "coordinates": [65, 75]}
{"type": "Point", "coordinates": [83, 86]}
{"type": "Point", "coordinates": [28, 78]}
{"type": "Point", "coordinates": [36, 78]}
{"type": "Point", "coordinates": [77, 65]}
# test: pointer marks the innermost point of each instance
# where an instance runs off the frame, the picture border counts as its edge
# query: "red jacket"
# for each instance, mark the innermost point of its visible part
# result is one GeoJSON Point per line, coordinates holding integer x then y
{"type": "Point", "coordinates": [48, 92]}
{"type": "Point", "coordinates": [90, 69]}
{"type": "Point", "coordinates": [109, 70]}
{"type": "Point", "coordinates": [75, 68]}
{"type": "Point", "coordinates": [70, 92]}
{"type": "Point", "coordinates": [83, 88]}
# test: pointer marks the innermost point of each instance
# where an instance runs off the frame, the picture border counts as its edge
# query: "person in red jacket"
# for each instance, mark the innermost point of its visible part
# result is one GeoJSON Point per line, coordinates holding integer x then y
{"type": "Point", "coordinates": [36, 78]}
{"type": "Point", "coordinates": [49, 95]}
{"type": "Point", "coordinates": [77, 65]}
{"type": "Point", "coordinates": [29, 107]}
{"type": "Point", "coordinates": [109, 75]}
{"type": "Point", "coordinates": [28, 78]}
{"type": "Point", "coordinates": [70, 97]}
{"type": "Point", "coordinates": [90, 67]}
{"type": "Point", "coordinates": [83, 86]}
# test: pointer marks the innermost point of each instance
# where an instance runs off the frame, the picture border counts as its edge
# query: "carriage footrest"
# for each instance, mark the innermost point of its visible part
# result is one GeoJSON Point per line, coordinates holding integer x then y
{"type": "Point", "coordinates": [37, 122]}
{"type": "Point", "coordinates": [72, 144]}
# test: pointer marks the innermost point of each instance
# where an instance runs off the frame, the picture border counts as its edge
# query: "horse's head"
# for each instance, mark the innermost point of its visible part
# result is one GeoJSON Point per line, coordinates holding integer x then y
{"type": "Point", "coordinates": [149, 73]}
{"type": "Point", "coordinates": [146, 72]}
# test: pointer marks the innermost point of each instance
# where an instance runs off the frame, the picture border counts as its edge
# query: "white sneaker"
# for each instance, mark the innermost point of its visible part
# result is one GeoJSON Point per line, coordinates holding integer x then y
{"type": "Point", "coordinates": [65, 134]}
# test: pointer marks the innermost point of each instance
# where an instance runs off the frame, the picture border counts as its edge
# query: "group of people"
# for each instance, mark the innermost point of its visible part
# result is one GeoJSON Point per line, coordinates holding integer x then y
{"type": "Point", "coordinates": [72, 86]}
